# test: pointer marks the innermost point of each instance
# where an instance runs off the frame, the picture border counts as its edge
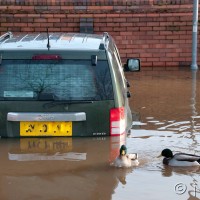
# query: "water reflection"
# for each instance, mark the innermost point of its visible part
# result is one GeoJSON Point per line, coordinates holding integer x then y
{"type": "Point", "coordinates": [172, 105]}
{"type": "Point", "coordinates": [194, 110]}
{"type": "Point", "coordinates": [60, 168]}
{"type": "Point", "coordinates": [167, 104]}
{"type": "Point", "coordinates": [168, 171]}
{"type": "Point", "coordinates": [33, 149]}
{"type": "Point", "coordinates": [195, 191]}
{"type": "Point", "coordinates": [192, 188]}
{"type": "Point", "coordinates": [166, 115]}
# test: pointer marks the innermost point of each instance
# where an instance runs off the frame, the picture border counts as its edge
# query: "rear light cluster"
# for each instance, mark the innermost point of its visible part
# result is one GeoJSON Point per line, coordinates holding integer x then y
{"type": "Point", "coordinates": [46, 57]}
{"type": "Point", "coordinates": [115, 144]}
{"type": "Point", "coordinates": [117, 121]}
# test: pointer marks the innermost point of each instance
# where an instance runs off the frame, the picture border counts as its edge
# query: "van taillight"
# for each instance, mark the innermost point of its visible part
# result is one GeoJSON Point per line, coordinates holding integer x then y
{"type": "Point", "coordinates": [117, 121]}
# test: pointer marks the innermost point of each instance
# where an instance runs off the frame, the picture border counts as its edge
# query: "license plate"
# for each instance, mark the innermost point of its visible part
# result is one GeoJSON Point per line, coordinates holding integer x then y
{"type": "Point", "coordinates": [45, 128]}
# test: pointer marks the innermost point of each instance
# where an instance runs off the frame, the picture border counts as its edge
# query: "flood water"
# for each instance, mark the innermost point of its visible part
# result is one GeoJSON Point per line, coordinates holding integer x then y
{"type": "Point", "coordinates": [166, 111]}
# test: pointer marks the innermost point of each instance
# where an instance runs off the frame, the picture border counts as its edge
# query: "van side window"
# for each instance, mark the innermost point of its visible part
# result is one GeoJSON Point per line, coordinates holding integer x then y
{"type": "Point", "coordinates": [121, 72]}
{"type": "Point", "coordinates": [117, 69]}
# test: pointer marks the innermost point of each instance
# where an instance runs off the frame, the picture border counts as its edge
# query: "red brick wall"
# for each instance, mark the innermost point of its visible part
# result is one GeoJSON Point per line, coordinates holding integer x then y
{"type": "Point", "coordinates": [157, 31]}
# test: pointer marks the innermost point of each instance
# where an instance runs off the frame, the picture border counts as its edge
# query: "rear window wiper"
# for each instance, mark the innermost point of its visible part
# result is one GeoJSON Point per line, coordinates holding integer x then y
{"type": "Point", "coordinates": [47, 97]}
{"type": "Point", "coordinates": [55, 103]}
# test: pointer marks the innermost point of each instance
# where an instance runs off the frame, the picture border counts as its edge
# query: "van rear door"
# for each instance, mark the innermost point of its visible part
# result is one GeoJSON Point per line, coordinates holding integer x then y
{"type": "Point", "coordinates": [50, 96]}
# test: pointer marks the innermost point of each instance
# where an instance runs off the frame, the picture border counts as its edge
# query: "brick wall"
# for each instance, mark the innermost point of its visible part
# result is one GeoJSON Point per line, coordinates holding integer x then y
{"type": "Point", "coordinates": [157, 31]}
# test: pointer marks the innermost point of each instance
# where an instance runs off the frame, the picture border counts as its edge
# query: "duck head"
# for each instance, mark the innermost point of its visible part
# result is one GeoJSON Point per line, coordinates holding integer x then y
{"type": "Point", "coordinates": [167, 153]}
{"type": "Point", "coordinates": [123, 150]}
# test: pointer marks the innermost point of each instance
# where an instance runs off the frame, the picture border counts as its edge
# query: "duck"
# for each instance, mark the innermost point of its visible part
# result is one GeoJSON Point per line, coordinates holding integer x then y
{"type": "Point", "coordinates": [179, 159]}
{"type": "Point", "coordinates": [125, 160]}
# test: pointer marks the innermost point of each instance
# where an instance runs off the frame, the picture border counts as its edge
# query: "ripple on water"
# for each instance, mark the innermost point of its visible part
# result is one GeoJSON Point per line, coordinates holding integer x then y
{"type": "Point", "coordinates": [168, 118]}
{"type": "Point", "coordinates": [149, 143]}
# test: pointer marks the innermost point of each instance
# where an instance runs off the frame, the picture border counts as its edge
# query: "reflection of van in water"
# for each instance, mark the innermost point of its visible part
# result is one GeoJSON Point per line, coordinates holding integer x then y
{"type": "Point", "coordinates": [63, 84]}
{"type": "Point", "coordinates": [79, 166]}
{"type": "Point", "coordinates": [65, 148]}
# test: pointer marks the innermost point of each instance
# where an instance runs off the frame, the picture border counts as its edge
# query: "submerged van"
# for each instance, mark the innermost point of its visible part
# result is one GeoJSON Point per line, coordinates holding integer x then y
{"type": "Point", "coordinates": [63, 84]}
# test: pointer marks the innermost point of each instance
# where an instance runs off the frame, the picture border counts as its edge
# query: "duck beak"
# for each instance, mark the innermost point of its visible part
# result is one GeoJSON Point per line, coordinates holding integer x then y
{"type": "Point", "coordinates": [123, 153]}
{"type": "Point", "coordinates": [159, 156]}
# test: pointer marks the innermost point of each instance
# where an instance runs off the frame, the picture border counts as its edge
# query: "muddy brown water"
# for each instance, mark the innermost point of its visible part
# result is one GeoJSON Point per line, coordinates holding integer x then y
{"type": "Point", "coordinates": [166, 112]}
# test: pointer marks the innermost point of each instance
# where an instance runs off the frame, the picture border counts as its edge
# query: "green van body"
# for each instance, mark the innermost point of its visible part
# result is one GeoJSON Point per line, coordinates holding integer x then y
{"type": "Point", "coordinates": [61, 84]}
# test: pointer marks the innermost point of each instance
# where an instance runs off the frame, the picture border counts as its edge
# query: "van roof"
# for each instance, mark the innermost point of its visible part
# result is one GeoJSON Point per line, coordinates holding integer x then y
{"type": "Point", "coordinates": [57, 41]}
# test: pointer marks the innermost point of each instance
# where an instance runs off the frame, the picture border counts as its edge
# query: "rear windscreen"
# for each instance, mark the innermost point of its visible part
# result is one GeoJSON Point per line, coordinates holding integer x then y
{"type": "Point", "coordinates": [55, 80]}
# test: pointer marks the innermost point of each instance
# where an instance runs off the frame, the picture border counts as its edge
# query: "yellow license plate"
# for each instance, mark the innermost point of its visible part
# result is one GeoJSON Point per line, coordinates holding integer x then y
{"type": "Point", "coordinates": [45, 128]}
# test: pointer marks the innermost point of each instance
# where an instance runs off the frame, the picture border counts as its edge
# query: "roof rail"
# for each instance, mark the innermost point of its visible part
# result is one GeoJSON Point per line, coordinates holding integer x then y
{"type": "Point", "coordinates": [6, 36]}
{"type": "Point", "coordinates": [104, 40]}
{"type": "Point", "coordinates": [105, 35]}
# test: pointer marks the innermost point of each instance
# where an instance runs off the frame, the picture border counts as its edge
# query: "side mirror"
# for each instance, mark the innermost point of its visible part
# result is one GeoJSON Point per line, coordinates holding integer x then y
{"type": "Point", "coordinates": [132, 65]}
